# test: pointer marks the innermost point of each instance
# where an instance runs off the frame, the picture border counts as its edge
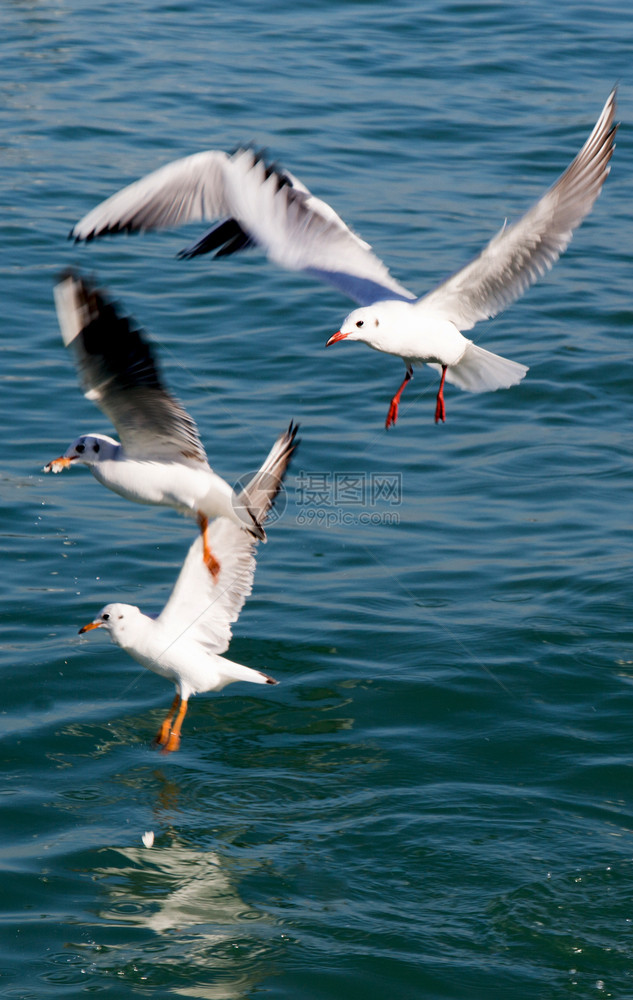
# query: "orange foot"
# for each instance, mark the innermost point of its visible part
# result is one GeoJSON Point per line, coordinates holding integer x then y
{"type": "Point", "coordinates": [172, 743]}
{"type": "Point", "coordinates": [212, 565]}
{"type": "Point", "coordinates": [168, 736]}
{"type": "Point", "coordinates": [210, 561]}
{"type": "Point", "coordinates": [163, 734]}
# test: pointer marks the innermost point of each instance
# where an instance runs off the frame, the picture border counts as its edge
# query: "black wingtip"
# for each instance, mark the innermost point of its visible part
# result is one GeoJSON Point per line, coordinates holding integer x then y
{"type": "Point", "coordinates": [293, 430]}
{"type": "Point", "coordinates": [88, 238]}
{"type": "Point", "coordinates": [225, 238]}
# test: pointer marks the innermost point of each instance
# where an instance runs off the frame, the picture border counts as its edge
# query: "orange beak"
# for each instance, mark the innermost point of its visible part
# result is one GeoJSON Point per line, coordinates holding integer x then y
{"type": "Point", "coordinates": [89, 626]}
{"type": "Point", "coordinates": [336, 337]}
{"type": "Point", "coordinates": [58, 464]}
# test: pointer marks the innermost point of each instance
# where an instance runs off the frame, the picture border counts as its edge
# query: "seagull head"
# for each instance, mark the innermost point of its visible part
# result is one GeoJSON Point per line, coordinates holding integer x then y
{"type": "Point", "coordinates": [114, 618]}
{"type": "Point", "coordinates": [89, 449]}
{"type": "Point", "coordinates": [371, 324]}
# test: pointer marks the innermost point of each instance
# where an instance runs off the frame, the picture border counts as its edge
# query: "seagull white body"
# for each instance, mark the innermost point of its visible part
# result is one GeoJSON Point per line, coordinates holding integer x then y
{"type": "Point", "coordinates": [185, 641]}
{"type": "Point", "coordinates": [444, 347]}
{"type": "Point", "coordinates": [443, 342]}
{"type": "Point", "coordinates": [187, 488]}
{"type": "Point", "coordinates": [160, 459]}
{"type": "Point", "coordinates": [171, 654]}
{"type": "Point", "coordinates": [272, 209]}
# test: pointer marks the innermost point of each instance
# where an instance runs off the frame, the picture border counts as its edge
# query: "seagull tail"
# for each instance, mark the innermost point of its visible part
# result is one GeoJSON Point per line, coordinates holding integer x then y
{"type": "Point", "coordinates": [258, 496]}
{"type": "Point", "coordinates": [236, 672]}
{"type": "Point", "coordinates": [479, 370]}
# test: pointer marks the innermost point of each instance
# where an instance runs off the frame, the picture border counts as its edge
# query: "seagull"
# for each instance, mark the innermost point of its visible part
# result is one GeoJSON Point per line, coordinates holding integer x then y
{"type": "Point", "coordinates": [184, 642]}
{"type": "Point", "coordinates": [266, 206]}
{"type": "Point", "coordinates": [160, 458]}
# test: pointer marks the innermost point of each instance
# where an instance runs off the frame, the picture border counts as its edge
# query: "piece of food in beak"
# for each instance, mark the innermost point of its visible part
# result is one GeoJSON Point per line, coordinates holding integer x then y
{"type": "Point", "coordinates": [58, 464]}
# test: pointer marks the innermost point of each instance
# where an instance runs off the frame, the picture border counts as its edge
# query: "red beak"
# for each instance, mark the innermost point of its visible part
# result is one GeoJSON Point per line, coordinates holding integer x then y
{"type": "Point", "coordinates": [336, 337]}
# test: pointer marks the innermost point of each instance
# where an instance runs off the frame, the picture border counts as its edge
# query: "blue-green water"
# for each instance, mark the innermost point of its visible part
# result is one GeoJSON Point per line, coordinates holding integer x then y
{"type": "Point", "coordinates": [436, 800]}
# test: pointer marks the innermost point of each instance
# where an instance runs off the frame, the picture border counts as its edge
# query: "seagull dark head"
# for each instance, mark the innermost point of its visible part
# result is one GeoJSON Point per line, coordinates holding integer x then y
{"type": "Point", "coordinates": [89, 449]}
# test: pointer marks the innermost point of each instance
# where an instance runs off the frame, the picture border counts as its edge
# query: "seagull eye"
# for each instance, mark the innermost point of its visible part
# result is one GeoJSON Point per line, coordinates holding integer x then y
{"type": "Point", "coordinates": [106, 617]}
{"type": "Point", "coordinates": [96, 446]}
{"type": "Point", "coordinates": [80, 448]}
{"type": "Point", "coordinates": [359, 323]}
{"type": "Point", "coordinates": [376, 323]}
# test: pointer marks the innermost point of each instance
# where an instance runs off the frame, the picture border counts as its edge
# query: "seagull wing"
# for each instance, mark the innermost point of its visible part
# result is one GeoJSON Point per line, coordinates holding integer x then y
{"type": "Point", "coordinates": [204, 607]}
{"type": "Point", "coordinates": [520, 253]}
{"type": "Point", "coordinates": [118, 372]}
{"type": "Point", "coordinates": [258, 495]}
{"type": "Point", "coordinates": [256, 205]}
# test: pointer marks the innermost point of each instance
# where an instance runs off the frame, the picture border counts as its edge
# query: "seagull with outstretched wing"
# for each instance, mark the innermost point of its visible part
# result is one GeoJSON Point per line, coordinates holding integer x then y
{"type": "Point", "coordinates": [185, 641]}
{"type": "Point", "coordinates": [159, 458]}
{"type": "Point", "coordinates": [258, 205]}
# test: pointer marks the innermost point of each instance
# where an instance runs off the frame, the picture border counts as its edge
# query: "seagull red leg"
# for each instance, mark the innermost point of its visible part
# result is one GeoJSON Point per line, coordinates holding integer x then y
{"type": "Point", "coordinates": [210, 561]}
{"type": "Point", "coordinates": [440, 409]}
{"type": "Point", "coordinates": [392, 416]}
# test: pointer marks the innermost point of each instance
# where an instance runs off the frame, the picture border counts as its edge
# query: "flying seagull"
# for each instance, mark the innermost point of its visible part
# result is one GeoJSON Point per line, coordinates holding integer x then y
{"type": "Point", "coordinates": [260, 205]}
{"type": "Point", "coordinates": [184, 642]}
{"type": "Point", "coordinates": [160, 458]}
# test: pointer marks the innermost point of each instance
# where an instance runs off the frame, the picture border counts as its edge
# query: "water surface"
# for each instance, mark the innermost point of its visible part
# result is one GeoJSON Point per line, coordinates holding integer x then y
{"type": "Point", "coordinates": [435, 801]}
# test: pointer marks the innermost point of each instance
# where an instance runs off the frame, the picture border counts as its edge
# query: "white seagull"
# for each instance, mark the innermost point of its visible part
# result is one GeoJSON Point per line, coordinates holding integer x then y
{"type": "Point", "coordinates": [184, 642]}
{"type": "Point", "coordinates": [268, 207]}
{"type": "Point", "coordinates": [160, 459]}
